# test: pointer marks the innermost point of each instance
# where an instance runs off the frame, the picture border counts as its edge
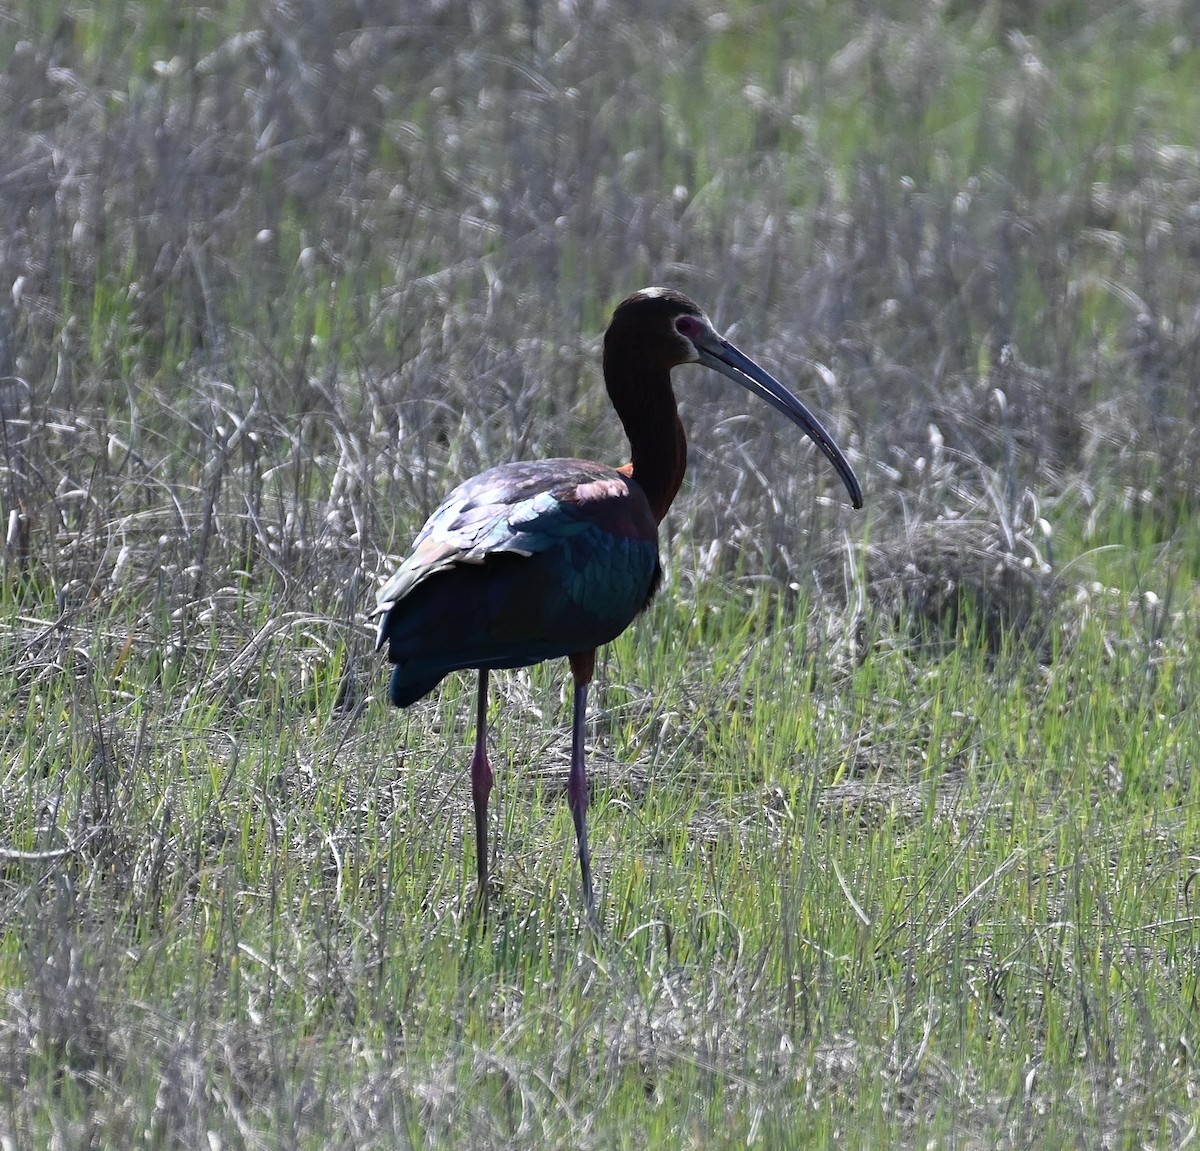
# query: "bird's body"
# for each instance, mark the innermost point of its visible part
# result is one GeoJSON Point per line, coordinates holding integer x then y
{"type": "Point", "coordinates": [522, 563]}
{"type": "Point", "coordinates": [532, 561]}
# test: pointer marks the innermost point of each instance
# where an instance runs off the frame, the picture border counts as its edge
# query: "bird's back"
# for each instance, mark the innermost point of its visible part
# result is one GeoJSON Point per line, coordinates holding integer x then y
{"type": "Point", "coordinates": [522, 563]}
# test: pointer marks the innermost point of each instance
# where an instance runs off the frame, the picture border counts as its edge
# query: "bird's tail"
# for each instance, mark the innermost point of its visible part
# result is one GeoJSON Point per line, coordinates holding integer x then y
{"type": "Point", "coordinates": [403, 692]}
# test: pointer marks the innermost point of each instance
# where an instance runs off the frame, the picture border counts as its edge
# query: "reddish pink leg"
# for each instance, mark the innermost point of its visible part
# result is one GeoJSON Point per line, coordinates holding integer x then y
{"type": "Point", "coordinates": [481, 785]}
{"type": "Point", "coordinates": [577, 785]}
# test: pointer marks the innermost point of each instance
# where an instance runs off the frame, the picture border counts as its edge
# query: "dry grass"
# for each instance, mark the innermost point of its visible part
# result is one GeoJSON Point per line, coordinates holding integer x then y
{"type": "Point", "coordinates": [275, 275]}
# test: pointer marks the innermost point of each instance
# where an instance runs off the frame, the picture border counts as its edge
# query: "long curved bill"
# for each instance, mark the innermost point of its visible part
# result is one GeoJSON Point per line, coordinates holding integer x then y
{"type": "Point", "coordinates": [719, 354]}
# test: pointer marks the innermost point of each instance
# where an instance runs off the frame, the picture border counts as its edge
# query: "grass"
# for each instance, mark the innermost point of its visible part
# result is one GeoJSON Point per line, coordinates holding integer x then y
{"type": "Point", "coordinates": [900, 901]}
{"type": "Point", "coordinates": [894, 823]}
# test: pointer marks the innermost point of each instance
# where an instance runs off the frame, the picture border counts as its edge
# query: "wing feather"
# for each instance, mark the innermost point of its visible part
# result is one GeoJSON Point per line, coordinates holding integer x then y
{"type": "Point", "coordinates": [520, 509]}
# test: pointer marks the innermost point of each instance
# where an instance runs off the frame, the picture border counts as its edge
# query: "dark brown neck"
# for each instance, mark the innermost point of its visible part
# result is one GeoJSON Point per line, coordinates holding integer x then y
{"type": "Point", "coordinates": [646, 404]}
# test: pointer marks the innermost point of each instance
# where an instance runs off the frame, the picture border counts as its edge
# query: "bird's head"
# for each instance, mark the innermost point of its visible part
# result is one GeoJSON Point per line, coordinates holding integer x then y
{"type": "Point", "coordinates": [658, 329]}
{"type": "Point", "coordinates": [659, 325]}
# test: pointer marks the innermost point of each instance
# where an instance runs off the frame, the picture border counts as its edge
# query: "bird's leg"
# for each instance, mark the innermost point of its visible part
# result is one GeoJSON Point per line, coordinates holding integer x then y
{"type": "Point", "coordinates": [582, 666]}
{"type": "Point", "coordinates": [481, 785]}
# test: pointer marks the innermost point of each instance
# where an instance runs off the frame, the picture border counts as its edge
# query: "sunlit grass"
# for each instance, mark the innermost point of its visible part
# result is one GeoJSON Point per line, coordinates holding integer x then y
{"type": "Point", "coordinates": [893, 817]}
{"type": "Point", "coordinates": [986, 896]}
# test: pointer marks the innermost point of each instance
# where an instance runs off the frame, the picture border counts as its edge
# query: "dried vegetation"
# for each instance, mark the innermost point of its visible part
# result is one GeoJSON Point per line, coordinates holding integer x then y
{"type": "Point", "coordinates": [273, 276]}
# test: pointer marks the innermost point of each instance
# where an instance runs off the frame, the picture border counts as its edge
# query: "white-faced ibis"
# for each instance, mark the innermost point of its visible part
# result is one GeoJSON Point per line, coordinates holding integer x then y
{"type": "Point", "coordinates": [531, 561]}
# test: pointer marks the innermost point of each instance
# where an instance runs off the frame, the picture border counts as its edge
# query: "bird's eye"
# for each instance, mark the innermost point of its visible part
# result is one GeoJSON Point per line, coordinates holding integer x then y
{"type": "Point", "coordinates": [689, 327]}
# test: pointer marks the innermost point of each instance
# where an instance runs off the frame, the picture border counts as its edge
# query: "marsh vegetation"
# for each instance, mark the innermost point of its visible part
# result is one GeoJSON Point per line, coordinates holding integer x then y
{"type": "Point", "coordinates": [894, 817]}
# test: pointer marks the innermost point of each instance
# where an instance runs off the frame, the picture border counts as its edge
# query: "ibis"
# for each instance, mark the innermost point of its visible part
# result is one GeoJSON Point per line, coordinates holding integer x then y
{"type": "Point", "coordinates": [548, 558]}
